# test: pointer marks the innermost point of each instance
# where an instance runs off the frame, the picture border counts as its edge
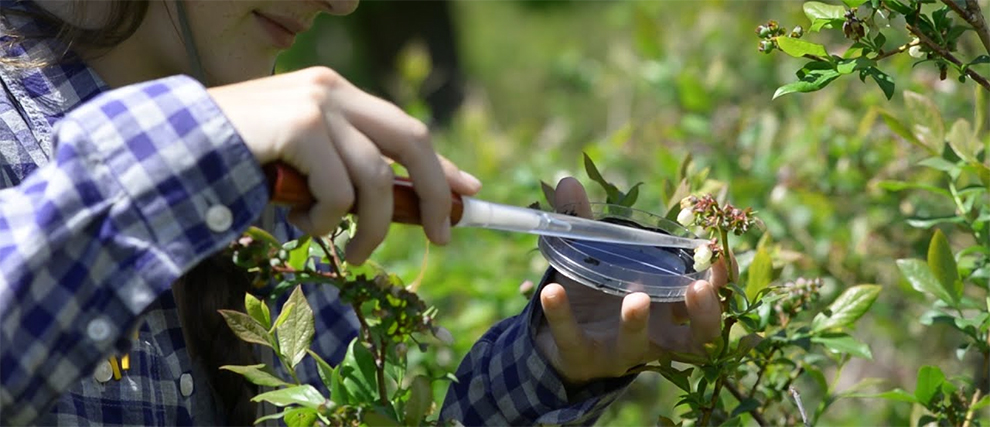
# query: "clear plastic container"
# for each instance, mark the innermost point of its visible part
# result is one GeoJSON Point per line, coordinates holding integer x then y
{"type": "Point", "coordinates": [662, 273]}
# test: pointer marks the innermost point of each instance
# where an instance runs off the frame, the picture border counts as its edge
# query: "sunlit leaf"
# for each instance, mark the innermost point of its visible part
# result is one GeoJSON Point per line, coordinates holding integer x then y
{"type": "Point", "coordinates": [843, 343]}
{"type": "Point", "coordinates": [817, 10]}
{"type": "Point", "coordinates": [847, 308]}
{"type": "Point", "coordinates": [257, 374]}
{"type": "Point", "coordinates": [963, 141]}
{"type": "Point", "coordinates": [300, 417]}
{"type": "Point", "coordinates": [909, 185]}
{"type": "Point", "coordinates": [246, 328]}
{"type": "Point", "coordinates": [926, 121]}
{"type": "Point", "coordinates": [258, 310]}
{"type": "Point", "coordinates": [799, 48]}
{"type": "Point", "coordinates": [922, 279]}
{"type": "Point", "coordinates": [296, 333]}
{"type": "Point", "coordinates": [853, 3]}
{"type": "Point", "coordinates": [943, 265]}
{"type": "Point", "coordinates": [896, 394]}
{"type": "Point", "coordinates": [899, 128]}
{"type": "Point", "coordinates": [304, 395]}
{"type": "Point", "coordinates": [811, 83]}
{"type": "Point", "coordinates": [929, 383]}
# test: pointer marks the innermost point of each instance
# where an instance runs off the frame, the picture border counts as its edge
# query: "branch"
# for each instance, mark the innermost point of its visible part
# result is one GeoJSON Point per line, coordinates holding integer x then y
{"type": "Point", "coordinates": [755, 412]}
{"type": "Point", "coordinates": [974, 16]}
{"type": "Point", "coordinates": [944, 53]}
{"type": "Point", "coordinates": [969, 412]}
{"type": "Point", "coordinates": [800, 405]}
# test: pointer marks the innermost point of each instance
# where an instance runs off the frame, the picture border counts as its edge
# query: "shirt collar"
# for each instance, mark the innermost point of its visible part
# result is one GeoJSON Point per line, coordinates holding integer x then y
{"type": "Point", "coordinates": [43, 94]}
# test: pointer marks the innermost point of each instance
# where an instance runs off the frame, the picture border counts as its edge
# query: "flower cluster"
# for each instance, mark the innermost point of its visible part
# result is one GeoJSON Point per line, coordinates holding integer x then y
{"type": "Point", "coordinates": [799, 295]}
{"type": "Point", "coordinates": [771, 30]}
{"type": "Point", "coordinates": [705, 254]}
{"type": "Point", "coordinates": [705, 212]}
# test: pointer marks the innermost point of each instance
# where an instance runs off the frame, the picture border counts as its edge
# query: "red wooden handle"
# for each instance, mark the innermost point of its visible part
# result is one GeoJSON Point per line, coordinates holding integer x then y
{"type": "Point", "coordinates": [290, 188]}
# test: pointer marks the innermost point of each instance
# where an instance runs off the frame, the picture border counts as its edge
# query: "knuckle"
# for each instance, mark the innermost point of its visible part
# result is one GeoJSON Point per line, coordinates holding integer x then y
{"type": "Point", "coordinates": [324, 77]}
{"type": "Point", "coordinates": [340, 201]}
{"type": "Point", "coordinates": [380, 178]}
{"type": "Point", "coordinates": [419, 133]}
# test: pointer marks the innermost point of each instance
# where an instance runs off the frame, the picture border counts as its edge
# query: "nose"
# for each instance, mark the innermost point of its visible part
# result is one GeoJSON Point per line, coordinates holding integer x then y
{"type": "Point", "coordinates": [341, 7]}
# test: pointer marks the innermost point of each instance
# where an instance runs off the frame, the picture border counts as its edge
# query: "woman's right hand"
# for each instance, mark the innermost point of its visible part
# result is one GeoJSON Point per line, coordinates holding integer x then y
{"type": "Point", "coordinates": [339, 136]}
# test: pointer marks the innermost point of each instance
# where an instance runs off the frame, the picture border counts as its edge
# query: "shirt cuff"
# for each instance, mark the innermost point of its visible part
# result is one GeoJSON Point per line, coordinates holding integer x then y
{"type": "Point", "coordinates": [183, 174]}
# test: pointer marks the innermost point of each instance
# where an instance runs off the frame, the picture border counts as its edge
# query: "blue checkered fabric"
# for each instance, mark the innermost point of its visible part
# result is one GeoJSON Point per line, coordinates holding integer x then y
{"type": "Point", "coordinates": [103, 201]}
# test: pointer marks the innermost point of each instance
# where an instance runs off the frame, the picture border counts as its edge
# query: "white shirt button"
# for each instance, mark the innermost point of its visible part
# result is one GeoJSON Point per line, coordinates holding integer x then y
{"type": "Point", "coordinates": [219, 218]}
{"type": "Point", "coordinates": [103, 371]}
{"type": "Point", "coordinates": [98, 329]}
{"type": "Point", "coordinates": [186, 384]}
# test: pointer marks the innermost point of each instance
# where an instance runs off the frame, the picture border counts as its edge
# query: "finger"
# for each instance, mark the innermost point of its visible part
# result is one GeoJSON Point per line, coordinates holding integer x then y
{"type": "Point", "coordinates": [720, 275]}
{"type": "Point", "coordinates": [704, 311]}
{"type": "Point", "coordinates": [328, 183]}
{"type": "Point", "coordinates": [570, 197]}
{"type": "Point", "coordinates": [372, 178]}
{"type": "Point", "coordinates": [460, 181]}
{"type": "Point", "coordinates": [633, 339]}
{"type": "Point", "coordinates": [564, 328]}
{"type": "Point", "coordinates": [407, 141]}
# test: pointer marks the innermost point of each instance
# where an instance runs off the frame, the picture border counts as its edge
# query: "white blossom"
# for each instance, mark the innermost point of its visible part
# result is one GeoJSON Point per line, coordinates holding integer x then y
{"type": "Point", "coordinates": [702, 257]}
{"type": "Point", "coordinates": [686, 217]}
{"type": "Point", "coordinates": [915, 51]}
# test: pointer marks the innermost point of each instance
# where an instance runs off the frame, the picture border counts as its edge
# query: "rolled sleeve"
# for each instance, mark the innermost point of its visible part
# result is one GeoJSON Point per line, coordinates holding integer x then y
{"type": "Point", "coordinates": [505, 380]}
{"type": "Point", "coordinates": [147, 180]}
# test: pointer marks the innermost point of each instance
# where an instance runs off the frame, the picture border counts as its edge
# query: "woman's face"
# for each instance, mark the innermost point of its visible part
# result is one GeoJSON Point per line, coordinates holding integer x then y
{"type": "Point", "coordinates": [237, 39]}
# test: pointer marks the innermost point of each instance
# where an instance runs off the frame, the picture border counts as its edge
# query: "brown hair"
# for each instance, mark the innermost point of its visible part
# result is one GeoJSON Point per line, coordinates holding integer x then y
{"type": "Point", "coordinates": [216, 283]}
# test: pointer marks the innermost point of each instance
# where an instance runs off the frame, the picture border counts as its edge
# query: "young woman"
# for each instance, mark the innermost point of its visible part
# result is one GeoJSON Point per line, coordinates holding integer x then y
{"type": "Point", "coordinates": [122, 177]}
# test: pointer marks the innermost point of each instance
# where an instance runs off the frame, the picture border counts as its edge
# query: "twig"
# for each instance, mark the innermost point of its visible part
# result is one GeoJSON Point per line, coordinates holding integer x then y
{"type": "Point", "coordinates": [800, 405]}
{"type": "Point", "coordinates": [944, 53]}
{"type": "Point", "coordinates": [380, 374]}
{"type": "Point", "coordinates": [900, 49]}
{"type": "Point", "coordinates": [331, 253]}
{"type": "Point", "coordinates": [755, 412]}
{"type": "Point", "coordinates": [707, 414]}
{"type": "Point", "coordinates": [763, 368]}
{"type": "Point", "coordinates": [969, 412]}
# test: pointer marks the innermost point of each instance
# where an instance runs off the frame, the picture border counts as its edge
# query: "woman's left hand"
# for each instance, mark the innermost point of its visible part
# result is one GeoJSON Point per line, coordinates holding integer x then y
{"type": "Point", "coordinates": [586, 334]}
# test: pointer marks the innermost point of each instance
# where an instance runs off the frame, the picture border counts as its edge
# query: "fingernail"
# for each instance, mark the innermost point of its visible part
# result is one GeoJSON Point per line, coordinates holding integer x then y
{"type": "Point", "coordinates": [471, 180]}
{"type": "Point", "coordinates": [709, 300]}
{"type": "Point", "coordinates": [445, 231]}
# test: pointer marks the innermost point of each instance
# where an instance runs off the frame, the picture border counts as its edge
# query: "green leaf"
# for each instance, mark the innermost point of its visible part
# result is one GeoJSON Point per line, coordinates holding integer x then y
{"type": "Point", "coordinates": [338, 393]}
{"type": "Point", "coordinates": [930, 379]}
{"type": "Point", "coordinates": [847, 66]}
{"type": "Point", "coordinates": [847, 308]}
{"type": "Point", "coordinates": [246, 328]}
{"type": "Point", "coordinates": [300, 417]}
{"type": "Point", "coordinates": [811, 82]}
{"type": "Point", "coordinates": [296, 334]}
{"type": "Point", "coordinates": [799, 48]}
{"type": "Point", "coordinates": [943, 265]}
{"type": "Point", "coordinates": [895, 395]}
{"type": "Point", "coordinates": [304, 395]}
{"type": "Point", "coordinates": [817, 10]}
{"type": "Point", "coordinates": [884, 81]}
{"type": "Point", "coordinates": [275, 416]}
{"type": "Point", "coordinates": [299, 253]}
{"type": "Point", "coordinates": [745, 406]}
{"type": "Point", "coordinates": [927, 223]}
{"type": "Point", "coordinates": [378, 418]}
{"type": "Point", "coordinates": [257, 374]}
{"type": "Point", "coordinates": [258, 310]}
{"type": "Point", "coordinates": [899, 128]}
{"type": "Point", "coordinates": [323, 368]}
{"type": "Point", "coordinates": [922, 279]}
{"type": "Point", "coordinates": [358, 374]}
{"type": "Point", "coordinates": [853, 3]}
{"type": "Point", "coordinates": [630, 198]}
{"type": "Point", "coordinates": [262, 235]}
{"type": "Point", "coordinates": [983, 403]}
{"type": "Point", "coordinates": [760, 273]}
{"type": "Point", "coordinates": [941, 164]}
{"type": "Point", "coordinates": [844, 343]}
{"type": "Point", "coordinates": [907, 185]}
{"type": "Point", "coordinates": [283, 316]}
{"type": "Point", "coordinates": [420, 400]}
{"type": "Point", "coordinates": [926, 121]}
{"type": "Point", "coordinates": [678, 378]}
{"type": "Point", "coordinates": [963, 141]}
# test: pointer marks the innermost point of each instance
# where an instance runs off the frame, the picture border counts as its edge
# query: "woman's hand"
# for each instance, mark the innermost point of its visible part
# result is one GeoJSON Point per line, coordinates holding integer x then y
{"type": "Point", "coordinates": [587, 334]}
{"type": "Point", "coordinates": [340, 136]}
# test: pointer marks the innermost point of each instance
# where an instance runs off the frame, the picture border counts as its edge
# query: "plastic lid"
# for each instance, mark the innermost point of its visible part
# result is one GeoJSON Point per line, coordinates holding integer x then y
{"type": "Point", "coordinates": [662, 273]}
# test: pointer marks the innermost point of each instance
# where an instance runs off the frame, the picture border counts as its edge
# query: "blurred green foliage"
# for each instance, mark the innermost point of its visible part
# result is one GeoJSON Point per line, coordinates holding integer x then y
{"type": "Point", "coordinates": [639, 85]}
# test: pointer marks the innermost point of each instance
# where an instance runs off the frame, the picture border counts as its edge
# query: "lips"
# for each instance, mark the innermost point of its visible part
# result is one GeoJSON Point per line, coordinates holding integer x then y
{"type": "Point", "coordinates": [281, 29]}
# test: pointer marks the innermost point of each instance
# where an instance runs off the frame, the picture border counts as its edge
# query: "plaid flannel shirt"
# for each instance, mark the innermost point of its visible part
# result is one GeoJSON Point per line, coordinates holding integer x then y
{"type": "Point", "coordinates": [108, 196]}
